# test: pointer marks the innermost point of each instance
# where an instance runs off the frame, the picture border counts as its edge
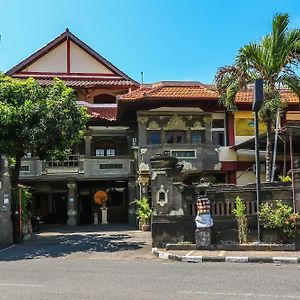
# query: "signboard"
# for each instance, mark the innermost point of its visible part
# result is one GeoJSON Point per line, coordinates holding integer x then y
{"type": "Point", "coordinates": [244, 124]}
{"type": "Point", "coordinates": [6, 199]}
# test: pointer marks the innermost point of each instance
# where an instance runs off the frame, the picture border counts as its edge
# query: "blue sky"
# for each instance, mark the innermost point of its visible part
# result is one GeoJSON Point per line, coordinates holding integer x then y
{"type": "Point", "coordinates": [166, 39]}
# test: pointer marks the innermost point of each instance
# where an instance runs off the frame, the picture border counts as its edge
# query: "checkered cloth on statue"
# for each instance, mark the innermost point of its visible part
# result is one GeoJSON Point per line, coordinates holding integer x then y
{"type": "Point", "coordinates": [203, 218]}
{"type": "Point", "coordinates": [203, 206]}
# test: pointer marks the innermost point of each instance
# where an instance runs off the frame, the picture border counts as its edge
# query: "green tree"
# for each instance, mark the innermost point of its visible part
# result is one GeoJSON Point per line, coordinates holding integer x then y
{"type": "Point", "coordinates": [41, 120]}
{"type": "Point", "coordinates": [275, 59]}
{"type": "Point", "coordinates": [241, 216]}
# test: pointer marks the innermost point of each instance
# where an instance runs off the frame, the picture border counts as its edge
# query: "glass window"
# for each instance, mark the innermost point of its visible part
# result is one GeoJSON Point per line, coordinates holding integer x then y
{"type": "Point", "coordinates": [198, 137]}
{"type": "Point", "coordinates": [175, 137]}
{"type": "Point", "coordinates": [24, 168]}
{"type": "Point", "coordinates": [100, 152]}
{"type": "Point", "coordinates": [154, 137]}
{"type": "Point", "coordinates": [110, 152]}
{"type": "Point", "coordinates": [183, 153]}
{"type": "Point", "coordinates": [218, 123]}
{"type": "Point", "coordinates": [218, 138]}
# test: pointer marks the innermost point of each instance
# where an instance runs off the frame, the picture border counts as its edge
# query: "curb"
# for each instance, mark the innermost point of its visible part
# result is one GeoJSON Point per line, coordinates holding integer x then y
{"type": "Point", "coordinates": [230, 259]}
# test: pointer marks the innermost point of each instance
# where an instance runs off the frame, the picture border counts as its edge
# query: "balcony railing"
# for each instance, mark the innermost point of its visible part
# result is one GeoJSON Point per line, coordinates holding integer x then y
{"type": "Point", "coordinates": [71, 162]}
{"type": "Point", "coordinates": [78, 165]}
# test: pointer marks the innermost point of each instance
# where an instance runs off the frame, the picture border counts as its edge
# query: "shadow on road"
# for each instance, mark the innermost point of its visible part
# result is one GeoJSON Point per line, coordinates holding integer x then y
{"type": "Point", "coordinates": [60, 242]}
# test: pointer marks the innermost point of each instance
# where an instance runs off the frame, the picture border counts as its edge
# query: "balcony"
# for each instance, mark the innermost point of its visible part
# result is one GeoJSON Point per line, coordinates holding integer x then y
{"type": "Point", "coordinates": [79, 167]}
{"type": "Point", "coordinates": [72, 165]}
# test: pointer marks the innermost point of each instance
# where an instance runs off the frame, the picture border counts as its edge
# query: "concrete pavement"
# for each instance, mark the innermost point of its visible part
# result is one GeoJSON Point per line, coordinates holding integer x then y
{"type": "Point", "coordinates": [91, 242]}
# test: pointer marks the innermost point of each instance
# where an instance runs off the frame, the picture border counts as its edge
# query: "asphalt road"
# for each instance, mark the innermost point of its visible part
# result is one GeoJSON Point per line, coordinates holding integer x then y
{"type": "Point", "coordinates": [91, 266]}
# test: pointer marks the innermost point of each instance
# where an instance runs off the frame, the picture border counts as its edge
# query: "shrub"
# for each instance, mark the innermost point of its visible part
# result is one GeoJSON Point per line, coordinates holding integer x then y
{"type": "Point", "coordinates": [240, 214]}
{"type": "Point", "coordinates": [144, 211]}
{"type": "Point", "coordinates": [280, 217]}
{"type": "Point", "coordinates": [283, 178]}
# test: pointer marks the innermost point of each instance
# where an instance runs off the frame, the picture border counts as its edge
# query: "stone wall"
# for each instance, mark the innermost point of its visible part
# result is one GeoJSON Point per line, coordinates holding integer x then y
{"type": "Point", "coordinates": [174, 217]}
{"type": "Point", "coordinates": [6, 237]}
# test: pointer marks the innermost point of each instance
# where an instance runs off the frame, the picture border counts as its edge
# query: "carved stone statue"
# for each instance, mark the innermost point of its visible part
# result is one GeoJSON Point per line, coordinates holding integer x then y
{"type": "Point", "coordinates": [203, 218]}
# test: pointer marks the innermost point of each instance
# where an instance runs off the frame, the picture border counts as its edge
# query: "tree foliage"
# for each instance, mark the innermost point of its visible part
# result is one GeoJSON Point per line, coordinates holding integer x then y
{"type": "Point", "coordinates": [41, 120]}
{"type": "Point", "coordinates": [275, 59]}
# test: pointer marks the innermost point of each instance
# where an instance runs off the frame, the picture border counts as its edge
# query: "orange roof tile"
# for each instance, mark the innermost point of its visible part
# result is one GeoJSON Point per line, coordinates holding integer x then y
{"type": "Point", "coordinates": [101, 111]}
{"type": "Point", "coordinates": [247, 97]}
{"type": "Point", "coordinates": [173, 90]}
{"type": "Point", "coordinates": [192, 90]}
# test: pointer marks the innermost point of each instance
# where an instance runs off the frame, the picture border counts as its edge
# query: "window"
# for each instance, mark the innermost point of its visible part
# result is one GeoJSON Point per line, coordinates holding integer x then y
{"type": "Point", "coordinates": [105, 148]}
{"type": "Point", "coordinates": [110, 152]}
{"type": "Point", "coordinates": [25, 168]}
{"type": "Point", "coordinates": [104, 98]}
{"type": "Point", "coordinates": [183, 153]}
{"type": "Point", "coordinates": [198, 137]}
{"type": "Point", "coordinates": [218, 138]}
{"type": "Point", "coordinates": [218, 123]}
{"type": "Point", "coordinates": [110, 166]}
{"type": "Point", "coordinates": [154, 137]}
{"type": "Point", "coordinates": [175, 137]}
{"type": "Point", "coordinates": [218, 132]}
{"type": "Point", "coordinates": [100, 152]}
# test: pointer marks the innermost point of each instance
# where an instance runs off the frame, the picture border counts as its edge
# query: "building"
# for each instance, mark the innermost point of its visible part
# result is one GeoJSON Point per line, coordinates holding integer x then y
{"type": "Point", "coordinates": [104, 160]}
{"type": "Point", "coordinates": [130, 123]}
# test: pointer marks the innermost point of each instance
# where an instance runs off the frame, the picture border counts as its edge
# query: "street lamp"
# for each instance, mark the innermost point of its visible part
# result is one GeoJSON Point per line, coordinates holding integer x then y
{"type": "Point", "coordinates": [258, 98]}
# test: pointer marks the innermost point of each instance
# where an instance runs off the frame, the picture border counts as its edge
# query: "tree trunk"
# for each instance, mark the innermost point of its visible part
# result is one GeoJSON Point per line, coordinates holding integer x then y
{"type": "Point", "coordinates": [269, 150]}
{"type": "Point", "coordinates": [15, 171]}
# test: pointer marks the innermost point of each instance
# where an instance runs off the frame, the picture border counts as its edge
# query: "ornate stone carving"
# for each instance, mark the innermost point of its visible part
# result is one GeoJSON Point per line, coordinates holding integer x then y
{"type": "Point", "coordinates": [198, 126]}
{"type": "Point", "coordinates": [176, 123]}
{"type": "Point", "coordinates": [207, 119]}
{"type": "Point", "coordinates": [153, 126]}
{"type": "Point", "coordinates": [162, 196]}
{"type": "Point", "coordinates": [142, 119]}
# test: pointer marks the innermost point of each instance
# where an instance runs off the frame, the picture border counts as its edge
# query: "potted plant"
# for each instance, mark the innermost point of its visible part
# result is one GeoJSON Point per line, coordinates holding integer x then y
{"type": "Point", "coordinates": [144, 213]}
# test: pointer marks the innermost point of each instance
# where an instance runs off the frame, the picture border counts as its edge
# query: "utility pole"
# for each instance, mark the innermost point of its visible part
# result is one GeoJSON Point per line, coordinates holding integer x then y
{"type": "Point", "coordinates": [258, 98]}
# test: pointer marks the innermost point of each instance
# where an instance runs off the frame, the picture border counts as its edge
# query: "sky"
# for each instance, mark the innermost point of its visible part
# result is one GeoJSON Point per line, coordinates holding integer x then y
{"type": "Point", "coordinates": [166, 39]}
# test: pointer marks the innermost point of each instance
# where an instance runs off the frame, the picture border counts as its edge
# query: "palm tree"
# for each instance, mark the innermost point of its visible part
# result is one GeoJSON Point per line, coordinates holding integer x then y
{"type": "Point", "coordinates": [275, 59]}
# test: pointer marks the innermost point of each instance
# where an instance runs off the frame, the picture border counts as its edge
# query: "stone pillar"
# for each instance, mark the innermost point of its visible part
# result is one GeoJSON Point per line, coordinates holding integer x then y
{"type": "Point", "coordinates": [203, 219]}
{"type": "Point", "coordinates": [132, 195]}
{"type": "Point", "coordinates": [72, 204]}
{"type": "Point", "coordinates": [6, 234]}
{"type": "Point", "coordinates": [203, 237]}
{"type": "Point", "coordinates": [297, 186]}
{"type": "Point", "coordinates": [88, 145]}
{"type": "Point", "coordinates": [208, 133]}
{"type": "Point", "coordinates": [104, 215]}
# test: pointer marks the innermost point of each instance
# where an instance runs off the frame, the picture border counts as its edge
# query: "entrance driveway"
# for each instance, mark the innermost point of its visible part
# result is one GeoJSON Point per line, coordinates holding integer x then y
{"type": "Point", "coordinates": [85, 242]}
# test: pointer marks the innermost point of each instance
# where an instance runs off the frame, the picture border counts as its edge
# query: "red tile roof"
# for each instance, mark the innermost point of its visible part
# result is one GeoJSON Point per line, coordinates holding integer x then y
{"type": "Point", "coordinates": [247, 97]}
{"type": "Point", "coordinates": [171, 89]}
{"type": "Point", "coordinates": [101, 111]}
{"type": "Point", "coordinates": [191, 90]}
{"type": "Point", "coordinates": [84, 82]}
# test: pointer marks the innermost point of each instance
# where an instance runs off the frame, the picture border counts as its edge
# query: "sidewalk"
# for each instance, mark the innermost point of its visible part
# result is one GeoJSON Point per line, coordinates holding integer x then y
{"type": "Point", "coordinates": [196, 256]}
